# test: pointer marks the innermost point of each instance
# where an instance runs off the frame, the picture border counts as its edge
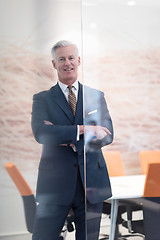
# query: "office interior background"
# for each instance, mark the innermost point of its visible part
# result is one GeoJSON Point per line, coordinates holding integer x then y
{"type": "Point", "coordinates": [119, 42]}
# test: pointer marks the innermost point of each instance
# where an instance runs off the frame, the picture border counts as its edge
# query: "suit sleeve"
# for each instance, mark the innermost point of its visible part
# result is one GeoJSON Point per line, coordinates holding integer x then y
{"type": "Point", "coordinates": [100, 118]}
{"type": "Point", "coordinates": [49, 134]}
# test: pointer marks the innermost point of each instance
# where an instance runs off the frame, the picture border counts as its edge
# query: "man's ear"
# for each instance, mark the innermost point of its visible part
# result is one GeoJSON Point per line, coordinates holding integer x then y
{"type": "Point", "coordinates": [54, 64]}
{"type": "Point", "coordinates": [79, 61]}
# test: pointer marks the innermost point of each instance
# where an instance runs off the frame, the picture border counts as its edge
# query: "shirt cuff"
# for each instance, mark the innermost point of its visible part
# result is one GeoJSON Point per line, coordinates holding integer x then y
{"type": "Point", "coordinates": [77, 132]}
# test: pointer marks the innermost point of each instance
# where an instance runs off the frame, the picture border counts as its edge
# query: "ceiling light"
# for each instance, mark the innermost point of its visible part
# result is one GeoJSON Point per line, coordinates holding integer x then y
{"type": "Point", "coordinates": [131, 3]}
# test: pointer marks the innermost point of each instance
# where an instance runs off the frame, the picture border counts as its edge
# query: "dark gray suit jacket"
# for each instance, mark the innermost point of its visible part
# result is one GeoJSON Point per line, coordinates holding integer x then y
{"type": "Point", "coordinates": [58, 167]}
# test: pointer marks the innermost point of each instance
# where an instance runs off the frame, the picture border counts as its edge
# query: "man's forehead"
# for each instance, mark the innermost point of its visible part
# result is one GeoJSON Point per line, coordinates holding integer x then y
{"type": "Point", "coordinates": [66, 51]}
{"type": "Point", "coordinates": [65, 55]}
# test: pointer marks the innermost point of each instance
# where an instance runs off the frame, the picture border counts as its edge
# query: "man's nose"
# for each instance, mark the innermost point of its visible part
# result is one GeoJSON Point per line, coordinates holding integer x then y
{"type": "Point", "coordinates": [67, 62]}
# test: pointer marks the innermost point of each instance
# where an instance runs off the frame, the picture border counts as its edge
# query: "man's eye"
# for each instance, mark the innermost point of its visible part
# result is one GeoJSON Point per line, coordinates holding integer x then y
{"type": "Point", "coordinates": [61, 59]}
{"type": "Point", "coordinates": [71, 58]}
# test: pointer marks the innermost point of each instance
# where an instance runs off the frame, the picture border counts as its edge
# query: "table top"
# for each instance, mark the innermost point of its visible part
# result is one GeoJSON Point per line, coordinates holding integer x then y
{"type": "Point", "coordinates": [126, 187]}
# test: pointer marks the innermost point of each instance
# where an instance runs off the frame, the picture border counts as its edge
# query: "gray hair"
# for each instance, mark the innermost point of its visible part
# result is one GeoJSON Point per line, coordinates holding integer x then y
{"type": "Point", "coordinates": [63, 43]}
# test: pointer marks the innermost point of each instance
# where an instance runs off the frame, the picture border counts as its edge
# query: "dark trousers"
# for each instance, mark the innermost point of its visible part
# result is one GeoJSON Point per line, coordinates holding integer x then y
{"type": "Point", "coordinates": [50, 218]}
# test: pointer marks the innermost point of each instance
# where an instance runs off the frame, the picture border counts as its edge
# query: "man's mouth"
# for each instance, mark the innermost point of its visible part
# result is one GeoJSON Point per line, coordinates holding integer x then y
{"type": "Point", "coordinates": [68, 69]}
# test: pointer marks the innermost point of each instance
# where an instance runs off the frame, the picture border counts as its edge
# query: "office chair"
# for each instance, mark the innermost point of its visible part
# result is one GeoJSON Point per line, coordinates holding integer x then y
{"type": "Point", "coordinates": [26, 193]}
{"type": "Point", "coordinates": [29, 201]}
{"type": "Point", "coordinates": [115, 168]}
{"type": "Point", "coordinates": [146, 157]}
{"type": "Point", "coordinates": [150, 204]}
{"type": "Point", "coordinates": [114, 163]}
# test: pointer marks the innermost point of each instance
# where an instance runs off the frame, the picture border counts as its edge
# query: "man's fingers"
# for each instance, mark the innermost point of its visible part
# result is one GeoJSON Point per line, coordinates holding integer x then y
{"type": "Point", "coordinates": [107, 131]}
{"type": "Point", "coordinates": [103, 129]}
{"type": "Point", "coordinates": [98, 131]}
{"type": "Point", "coordinates": [101, 132]}
{"type": "Point", "coordinates": [48, 122]}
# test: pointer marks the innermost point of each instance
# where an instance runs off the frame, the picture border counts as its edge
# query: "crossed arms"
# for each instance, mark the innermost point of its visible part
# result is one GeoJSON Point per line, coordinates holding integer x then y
{"type": "Point", "coordinates": [50, 125]}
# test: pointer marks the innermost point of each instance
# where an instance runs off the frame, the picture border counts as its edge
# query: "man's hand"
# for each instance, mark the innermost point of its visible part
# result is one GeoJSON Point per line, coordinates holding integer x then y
{"type": "Point", "coordinates": [96, 131]}
{"type": "Point", "coordinates": [48, 122]}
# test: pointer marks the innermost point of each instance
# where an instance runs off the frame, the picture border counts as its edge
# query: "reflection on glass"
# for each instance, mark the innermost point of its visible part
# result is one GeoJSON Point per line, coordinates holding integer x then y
{"type": "Point", "coordinates": [98, 133]}
{"type": "Point", "coordinates": [97, 120]}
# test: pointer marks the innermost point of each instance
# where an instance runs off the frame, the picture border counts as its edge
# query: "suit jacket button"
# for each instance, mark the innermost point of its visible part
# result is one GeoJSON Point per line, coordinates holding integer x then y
{"type": "Point", "coordinates": [75, 165]}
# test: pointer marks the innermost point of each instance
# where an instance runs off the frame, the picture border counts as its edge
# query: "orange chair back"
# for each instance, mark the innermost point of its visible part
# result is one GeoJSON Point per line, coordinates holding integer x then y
{"type": "Point", "coordinates": [148, 157]}
{"type": "Point", "coordinates": [18, 179]}
{"type": "Point", "coordinates": [114, 163]}
{"type": "Point", "coordinates": [152, 182]}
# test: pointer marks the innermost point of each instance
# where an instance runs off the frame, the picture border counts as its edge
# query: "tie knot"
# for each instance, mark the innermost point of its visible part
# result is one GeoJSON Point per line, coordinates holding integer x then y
{"type": "Point", "coordinates": [70, 87]}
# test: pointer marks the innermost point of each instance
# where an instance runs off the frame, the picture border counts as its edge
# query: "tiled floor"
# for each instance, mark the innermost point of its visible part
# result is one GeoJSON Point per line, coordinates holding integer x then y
{"type": "Point", "coordinates": [105, 226]}
{"type": "Point", "coordinates": [17, 237]}
{"type": "Point", "coordinates": [70, 236]}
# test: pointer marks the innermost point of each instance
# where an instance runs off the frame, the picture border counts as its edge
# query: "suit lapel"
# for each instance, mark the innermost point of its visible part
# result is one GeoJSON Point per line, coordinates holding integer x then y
{"type": "Point", "coordinates": [79, 108]}
{"type": "Point", "coordinates": [60, 99]}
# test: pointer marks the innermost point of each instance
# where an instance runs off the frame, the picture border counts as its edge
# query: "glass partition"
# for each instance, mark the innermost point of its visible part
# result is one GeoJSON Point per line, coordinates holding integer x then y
{"type": "Point", "coordinates": [121, 55]}
{"type": "Point", "coordinates": [119, 42]}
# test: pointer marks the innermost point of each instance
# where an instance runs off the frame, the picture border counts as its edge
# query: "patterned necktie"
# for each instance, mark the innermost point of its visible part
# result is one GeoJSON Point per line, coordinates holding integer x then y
{"type": "Point", "coordinates": [72, 100]}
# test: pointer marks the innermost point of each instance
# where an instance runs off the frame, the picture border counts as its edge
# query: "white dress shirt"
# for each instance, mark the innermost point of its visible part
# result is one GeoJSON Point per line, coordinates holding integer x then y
{"type": "Point", "coordinates": [65, 89]}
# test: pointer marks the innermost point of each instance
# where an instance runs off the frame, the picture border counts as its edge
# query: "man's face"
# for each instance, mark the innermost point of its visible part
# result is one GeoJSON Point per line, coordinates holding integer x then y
{"type": "Point", "coordinates": [66, 64]}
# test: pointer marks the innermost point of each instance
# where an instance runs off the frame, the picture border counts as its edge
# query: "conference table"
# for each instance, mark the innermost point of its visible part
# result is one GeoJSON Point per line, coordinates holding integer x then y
{"type": "Point", "coordinates": [123, 188]}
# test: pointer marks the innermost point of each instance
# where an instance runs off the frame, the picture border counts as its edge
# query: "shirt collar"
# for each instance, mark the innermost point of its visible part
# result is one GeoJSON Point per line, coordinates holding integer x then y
{"type": "Point", "coordinates": [64, 86]}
